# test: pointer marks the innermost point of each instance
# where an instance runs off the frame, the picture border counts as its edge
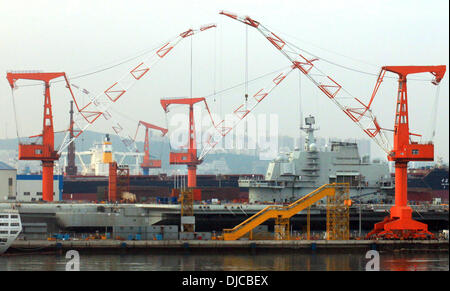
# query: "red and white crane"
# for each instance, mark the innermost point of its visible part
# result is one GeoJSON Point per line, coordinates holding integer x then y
{"type": "Point", "coordinates": [400, 223]}
{"type": "Point", "coordinates": [188, 158]}
{"type": "Point", "coordinates": [44, 152]}
{"type": "Point", "coordinates": [148, 163]}
{"type": "Point", "coordinates": [100, 105]}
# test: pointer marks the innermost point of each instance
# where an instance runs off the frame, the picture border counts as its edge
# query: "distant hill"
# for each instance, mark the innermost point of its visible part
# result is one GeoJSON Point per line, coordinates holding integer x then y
{"type": "Point", "coordinates": [236, 163]}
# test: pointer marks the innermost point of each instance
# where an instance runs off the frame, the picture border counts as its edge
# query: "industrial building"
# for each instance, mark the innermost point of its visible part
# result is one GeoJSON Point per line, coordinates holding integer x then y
{"type": "Point", "coordinates": [7, 182]}
{"type": "Point", "coordinates": [29, 188]}
{"type": "Point", "coordinates": [22, 188]}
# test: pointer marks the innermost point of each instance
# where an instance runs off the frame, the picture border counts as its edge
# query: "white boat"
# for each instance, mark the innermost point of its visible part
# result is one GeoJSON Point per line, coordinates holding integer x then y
{"type": "Point", "coordinates": [10, 228]}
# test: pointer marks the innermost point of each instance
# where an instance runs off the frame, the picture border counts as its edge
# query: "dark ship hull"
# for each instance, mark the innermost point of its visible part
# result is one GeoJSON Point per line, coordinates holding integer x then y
{"type": "Point", "coordinates": [150, 188]}
{"type": "Point", "coordinates": [425, 185]}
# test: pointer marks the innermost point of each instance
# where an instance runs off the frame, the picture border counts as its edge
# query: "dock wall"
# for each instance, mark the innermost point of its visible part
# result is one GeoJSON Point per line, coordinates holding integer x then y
{"type": "Point", "coordinates": [218, 245]}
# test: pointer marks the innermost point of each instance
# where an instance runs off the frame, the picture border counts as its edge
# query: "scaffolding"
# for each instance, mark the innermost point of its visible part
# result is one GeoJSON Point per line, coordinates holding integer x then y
{"type": "Point", "coordinates": [123, 180]}
{"type": "Point", "coordinates": [119, 181]}
{"type": "Point", "coordinates": [282, 228]}
{"type": "Point", "coordinates": [338, 222]}
{"type": "Point", "coordinates": [187, 210]}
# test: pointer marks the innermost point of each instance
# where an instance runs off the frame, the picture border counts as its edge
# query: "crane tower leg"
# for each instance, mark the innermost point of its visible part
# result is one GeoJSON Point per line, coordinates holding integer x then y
{"type": "Point", "coordinates": [192, 176]}
{"type": "Point", "coordinates": [400, 225]}
{"type": "Point", "coordinates": [44, 152]}
{"type": "Point", "coordinates": [47, 180]}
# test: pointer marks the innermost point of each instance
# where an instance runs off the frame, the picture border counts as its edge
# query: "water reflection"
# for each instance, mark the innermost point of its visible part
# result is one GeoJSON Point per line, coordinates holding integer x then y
{"type": "Point", "coordinates": [232, 262]}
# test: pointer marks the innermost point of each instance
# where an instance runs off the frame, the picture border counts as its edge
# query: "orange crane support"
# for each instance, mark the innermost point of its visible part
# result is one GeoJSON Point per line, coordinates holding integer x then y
{"type": "Point", "coordinates": [147, 163]}
{"type": "Point", "coordinates": [118, 182]}
{"type": "Point", "coordinates": [400, 223]}
{"type": "Point", "coordinates": [44, 152]}
{"type": "Point", "coordinates": [112, 182]}
{"type": "Point", "coordinates": [190, 158]}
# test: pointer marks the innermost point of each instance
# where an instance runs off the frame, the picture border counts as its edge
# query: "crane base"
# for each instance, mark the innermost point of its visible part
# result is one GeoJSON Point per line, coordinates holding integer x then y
{"type": "Point", "coordinates": [400, 228]}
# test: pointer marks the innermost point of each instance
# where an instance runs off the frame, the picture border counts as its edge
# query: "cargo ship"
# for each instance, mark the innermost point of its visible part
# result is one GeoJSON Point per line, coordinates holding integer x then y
{"type": "Point", "coordinates": [428, 185]}
{"type": "Point", "coordinates": [92, 184]}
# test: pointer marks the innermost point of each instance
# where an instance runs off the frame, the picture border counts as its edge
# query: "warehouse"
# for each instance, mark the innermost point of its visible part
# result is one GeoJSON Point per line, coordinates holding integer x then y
{"type": "Point", "coordinates": [7, 182]}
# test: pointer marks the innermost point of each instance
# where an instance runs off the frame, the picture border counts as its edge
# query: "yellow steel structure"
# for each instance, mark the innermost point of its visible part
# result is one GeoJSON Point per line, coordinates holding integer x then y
{"type": "Point", "coordinates": [187, 207]}
{"type": "Point", "coordinates": [338, 216]}
{"type": "Point", "coordinates": [282, 214]}
{"type": "Point", "coordinates": [282, 228]}
{"type": "Point", "coordinates": [308, 223]}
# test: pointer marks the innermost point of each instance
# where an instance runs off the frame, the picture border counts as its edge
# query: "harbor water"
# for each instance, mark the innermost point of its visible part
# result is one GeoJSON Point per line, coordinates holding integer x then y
{"type": "Point", "coordinates": [389, 261]}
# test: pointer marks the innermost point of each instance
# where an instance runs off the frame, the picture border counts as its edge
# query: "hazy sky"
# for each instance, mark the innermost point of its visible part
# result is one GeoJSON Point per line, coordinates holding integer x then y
{"type": "Point", "coordinates": [84, 36]}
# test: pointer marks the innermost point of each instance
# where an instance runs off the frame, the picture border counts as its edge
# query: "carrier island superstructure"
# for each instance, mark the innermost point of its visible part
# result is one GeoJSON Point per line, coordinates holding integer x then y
{"type": "Point", "coordinates": [295, 174]}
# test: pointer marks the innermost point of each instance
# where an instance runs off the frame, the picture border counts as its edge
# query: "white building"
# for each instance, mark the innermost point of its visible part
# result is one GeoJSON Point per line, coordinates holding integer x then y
{"type": "Point", "coordinates": [7, 182]}
{"type": "Point", "coordinates": [29, 188]}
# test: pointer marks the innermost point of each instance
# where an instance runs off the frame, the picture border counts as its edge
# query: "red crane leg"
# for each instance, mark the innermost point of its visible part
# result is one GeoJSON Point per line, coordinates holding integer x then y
{"type": "Point", "coordinates": [400, 209]}
{"type": "Point", "coordinates": [192, 176]}
{"type": "Point", "coordinates": [47, 181]}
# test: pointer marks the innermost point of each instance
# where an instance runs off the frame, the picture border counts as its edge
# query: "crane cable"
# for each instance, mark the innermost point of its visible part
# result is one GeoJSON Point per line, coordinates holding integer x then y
{"type": "Point", "coordinates": [434, 113]}
{"type": "Point", "coordinates": [15, 115]}
{"type": "Point", "coordinates": [81, 75]}
{"type": "Point", "coordinates": [342, 55]}
{"type": "Point", "coordinates": [246, 86]}
{"type": "Point", "coordinates": [300, 103]}
{"type": "Point", "coordinates": [192, 37]}
{"type": "Point", "coordinates": [350, 68]}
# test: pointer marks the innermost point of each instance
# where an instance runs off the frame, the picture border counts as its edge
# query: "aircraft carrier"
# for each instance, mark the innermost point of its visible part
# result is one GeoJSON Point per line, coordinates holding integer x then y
{"type": "Point", "coordinates": [227, 200]}
{"type": "Point", "coordinates": [82, 218]}
{"type": "Point", "coordinates": [297, 173]}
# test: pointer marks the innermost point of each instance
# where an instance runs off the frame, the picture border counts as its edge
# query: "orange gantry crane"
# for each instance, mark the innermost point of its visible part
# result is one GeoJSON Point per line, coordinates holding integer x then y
{"type": "Point", "coordinates": [188, 158]}
{"type": "Point", "coordinates": [45, 151]}
{"type": "Point", "coordinates": [148, 163]}
{"type": "Point", "coordinates": [399, 225]}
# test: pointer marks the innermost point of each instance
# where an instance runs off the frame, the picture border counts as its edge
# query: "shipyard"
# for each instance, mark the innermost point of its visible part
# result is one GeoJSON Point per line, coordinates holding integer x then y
{"type": "Point", "coordinates": [278, 150]}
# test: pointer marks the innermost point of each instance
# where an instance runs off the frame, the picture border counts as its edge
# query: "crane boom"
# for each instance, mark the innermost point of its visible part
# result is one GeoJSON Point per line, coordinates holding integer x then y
{"type": "Point", "coordinates": [353, 107]}
{"type": "Point", "coordinates": [100, 104]}
{"type": "Point", "coordinates": [222, 128]}
{"type": "Point", "coordinates": [150, 126]}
